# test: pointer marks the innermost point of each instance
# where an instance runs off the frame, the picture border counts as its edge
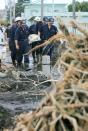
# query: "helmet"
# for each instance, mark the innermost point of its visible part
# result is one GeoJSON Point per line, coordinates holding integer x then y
{"type": "Point", "coordinates": [18, 19]}
{"type": "Point", "coordinates": [37, 19]}
{"type": "Point", "coordinates": [51, 20]}
{"type": "Point", "coordinates": [45, 19]}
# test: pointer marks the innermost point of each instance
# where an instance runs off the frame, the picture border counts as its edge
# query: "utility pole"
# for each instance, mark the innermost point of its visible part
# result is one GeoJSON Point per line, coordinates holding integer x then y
{"type": "Point", "coordinates": [53, 8]}
{"type": "Point", "coordinates": [74, 14]}
{"type": "Point", "coordinates": [73, 7]}
{"type": "Point", "coordinates": [42, 9]}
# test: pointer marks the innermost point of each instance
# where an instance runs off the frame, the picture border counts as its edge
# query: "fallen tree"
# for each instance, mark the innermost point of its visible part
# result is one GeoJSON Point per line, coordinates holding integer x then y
{"type": "Point", "coordinates": [66, 107]}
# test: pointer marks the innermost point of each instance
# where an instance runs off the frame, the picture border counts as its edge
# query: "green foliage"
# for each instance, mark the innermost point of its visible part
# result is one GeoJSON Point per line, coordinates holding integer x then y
{"type": "Point", "coordinates": [19, 8]}
{"type": "Point", "coordinates": [83, 6]}
{"type": "Point", "coordinates": [4, 22]}
{"type": "Point", "coordinates": [70, 8]}
{"type": "Point", "coordinates": [77, 6]}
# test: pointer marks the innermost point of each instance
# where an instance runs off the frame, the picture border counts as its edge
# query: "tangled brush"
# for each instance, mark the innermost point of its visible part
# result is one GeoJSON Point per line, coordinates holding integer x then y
{"type": "Point", "coordinates": [75, 60]}
{"type": "Point", "coordinates": [65, 108]}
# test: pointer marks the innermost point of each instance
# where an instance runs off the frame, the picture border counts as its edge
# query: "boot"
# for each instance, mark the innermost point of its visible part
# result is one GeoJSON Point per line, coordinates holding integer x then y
{"type": "Point", "coordinates": [14, 63]}
{"type": "Point", "coordinates": [20, 66]}
{"type": "Point", "coordinates": [26, 66]}
{"type": "Point", "coordinates": [39, 59]}
{"type": "Point", "coordinates": [34, 60]}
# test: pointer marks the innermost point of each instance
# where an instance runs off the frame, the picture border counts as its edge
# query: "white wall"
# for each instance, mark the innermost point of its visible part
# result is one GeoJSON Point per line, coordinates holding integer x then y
{"type": "Point", "coordinates": [35, 10]}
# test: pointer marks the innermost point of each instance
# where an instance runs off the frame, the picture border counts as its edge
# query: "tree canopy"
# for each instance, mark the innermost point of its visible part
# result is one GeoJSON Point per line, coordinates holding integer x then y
{"type": "Point", "coordinates": [83, 7]}
{"type": "Point", "coordinates": [19, 8]}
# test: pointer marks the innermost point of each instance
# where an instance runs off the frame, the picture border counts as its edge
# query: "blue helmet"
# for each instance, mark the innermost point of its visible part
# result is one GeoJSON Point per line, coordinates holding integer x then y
{"type": "Point", "coordinates": [45, 19]}
{"type": "Point", "coordinates": [51, 20]}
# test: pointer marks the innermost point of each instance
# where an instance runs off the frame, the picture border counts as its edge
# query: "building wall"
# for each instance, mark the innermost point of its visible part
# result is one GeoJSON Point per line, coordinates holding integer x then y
{"type": "Point", "coordinates": [59, 10]}
{"type": "Point", "coordinates": [35, 10]}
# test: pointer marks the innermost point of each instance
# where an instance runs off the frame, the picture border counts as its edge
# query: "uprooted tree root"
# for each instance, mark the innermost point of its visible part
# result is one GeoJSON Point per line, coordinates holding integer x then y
{"type": "Point", "coordinates": [66, 107]}
{"type": "Point", "coordinates": [63, 110]}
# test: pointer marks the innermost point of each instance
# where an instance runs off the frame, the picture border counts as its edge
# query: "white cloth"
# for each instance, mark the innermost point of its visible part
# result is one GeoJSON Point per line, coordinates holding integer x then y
{"type": "Point", "coordinates": [33, 38]}
{"type": "Point", "coordinates": [2, 52]}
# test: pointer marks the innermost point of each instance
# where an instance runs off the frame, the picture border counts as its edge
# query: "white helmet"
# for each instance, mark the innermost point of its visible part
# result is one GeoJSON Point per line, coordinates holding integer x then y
{"type": "Point", "coordinates": [37, 19]}
{"type": "Point", "coordinates": [18, 19]}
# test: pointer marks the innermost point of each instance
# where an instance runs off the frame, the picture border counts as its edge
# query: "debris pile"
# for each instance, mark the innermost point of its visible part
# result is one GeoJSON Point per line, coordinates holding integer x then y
{"type": "Point", "coordinates": [65, 108]}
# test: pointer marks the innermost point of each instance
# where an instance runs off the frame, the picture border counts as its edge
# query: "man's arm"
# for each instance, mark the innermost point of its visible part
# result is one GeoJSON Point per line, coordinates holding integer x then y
{"type": "Point", "coordinates": [17, 46]}
{"type": "Point", "coordinates": [16, 39]}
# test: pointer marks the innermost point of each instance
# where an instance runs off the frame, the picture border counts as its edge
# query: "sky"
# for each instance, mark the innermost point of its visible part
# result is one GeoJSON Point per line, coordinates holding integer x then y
{"type": "Point", "coordinates": [2, 2]}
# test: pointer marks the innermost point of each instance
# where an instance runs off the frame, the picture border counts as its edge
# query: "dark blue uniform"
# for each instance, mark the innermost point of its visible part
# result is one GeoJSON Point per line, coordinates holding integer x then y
{"type": "Point", "coordinates": [34, 30]}
{"type": "Point", "coordinates": [45, 34]}
{"type": "Point", "coordinates": [12, 45]}
{"type": "Point", "coordinates": [21, 36]}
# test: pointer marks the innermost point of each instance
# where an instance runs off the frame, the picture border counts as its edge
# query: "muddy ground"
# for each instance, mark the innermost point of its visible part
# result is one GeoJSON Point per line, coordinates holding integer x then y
{"type": "Point", "coordinates": [21, 95]}
{"type": "Point", "coordinates": [21, 91]}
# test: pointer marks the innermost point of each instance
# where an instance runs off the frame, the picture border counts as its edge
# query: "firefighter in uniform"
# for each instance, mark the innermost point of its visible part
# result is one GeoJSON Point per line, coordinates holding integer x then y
{"type": "Point", "coordinates": [12, 45]}
{"type": "Point", "coordinates": [34, 29]}
{"type": "Point", "coordinates": [46, 31]}
{"type": "Point", "coordinates": [22, 44]}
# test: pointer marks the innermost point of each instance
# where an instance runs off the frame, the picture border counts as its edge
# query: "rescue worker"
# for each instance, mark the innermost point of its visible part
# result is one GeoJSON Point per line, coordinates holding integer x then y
{"type": "Point", "coordinates": [48, 30]}
{"type": "Point", "coordinates": [12, 45]}
{"type": "Point", "coordinates": [22, 44]}
{"type": "Point", "coordinates": [7, 33]}
{"type": "Point", "coordinates": [2, 47]}
{"type": "Point", "coordinates": [34, 29]}
{"type": "Point", "coordinates": [3, 28]}
{"type": "Point", "coordinates": [39, 51]}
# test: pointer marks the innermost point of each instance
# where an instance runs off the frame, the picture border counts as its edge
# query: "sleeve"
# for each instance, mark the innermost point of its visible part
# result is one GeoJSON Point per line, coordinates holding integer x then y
{"type": "Point", "coordinates": [32, 29]}
{"type": "Point", "coordinates": [40, 29]}
{"type": "Point", "coordinates": [17, 35]}
{"type": "Point", "coordinates": [11, 33]}
{"type": "Point", "coordinates": [56, 30]}
{"type": "Point", "coordinates": [41, 33]}
{"type": "Point", "coordinates": [29, 30]}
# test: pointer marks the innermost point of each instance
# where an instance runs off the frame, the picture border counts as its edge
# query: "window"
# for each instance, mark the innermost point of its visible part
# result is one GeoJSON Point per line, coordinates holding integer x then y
{"type": "Point", "coordinates": [56, 10]}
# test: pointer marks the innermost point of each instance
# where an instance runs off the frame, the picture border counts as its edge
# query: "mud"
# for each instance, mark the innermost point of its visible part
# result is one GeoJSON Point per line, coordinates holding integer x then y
{"type": "Point", "coordinates": [22, 91]}
{"type": "Point", "coordinates": [21, 95]}
{"type": "Point", "coordinates": [5, 118]}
